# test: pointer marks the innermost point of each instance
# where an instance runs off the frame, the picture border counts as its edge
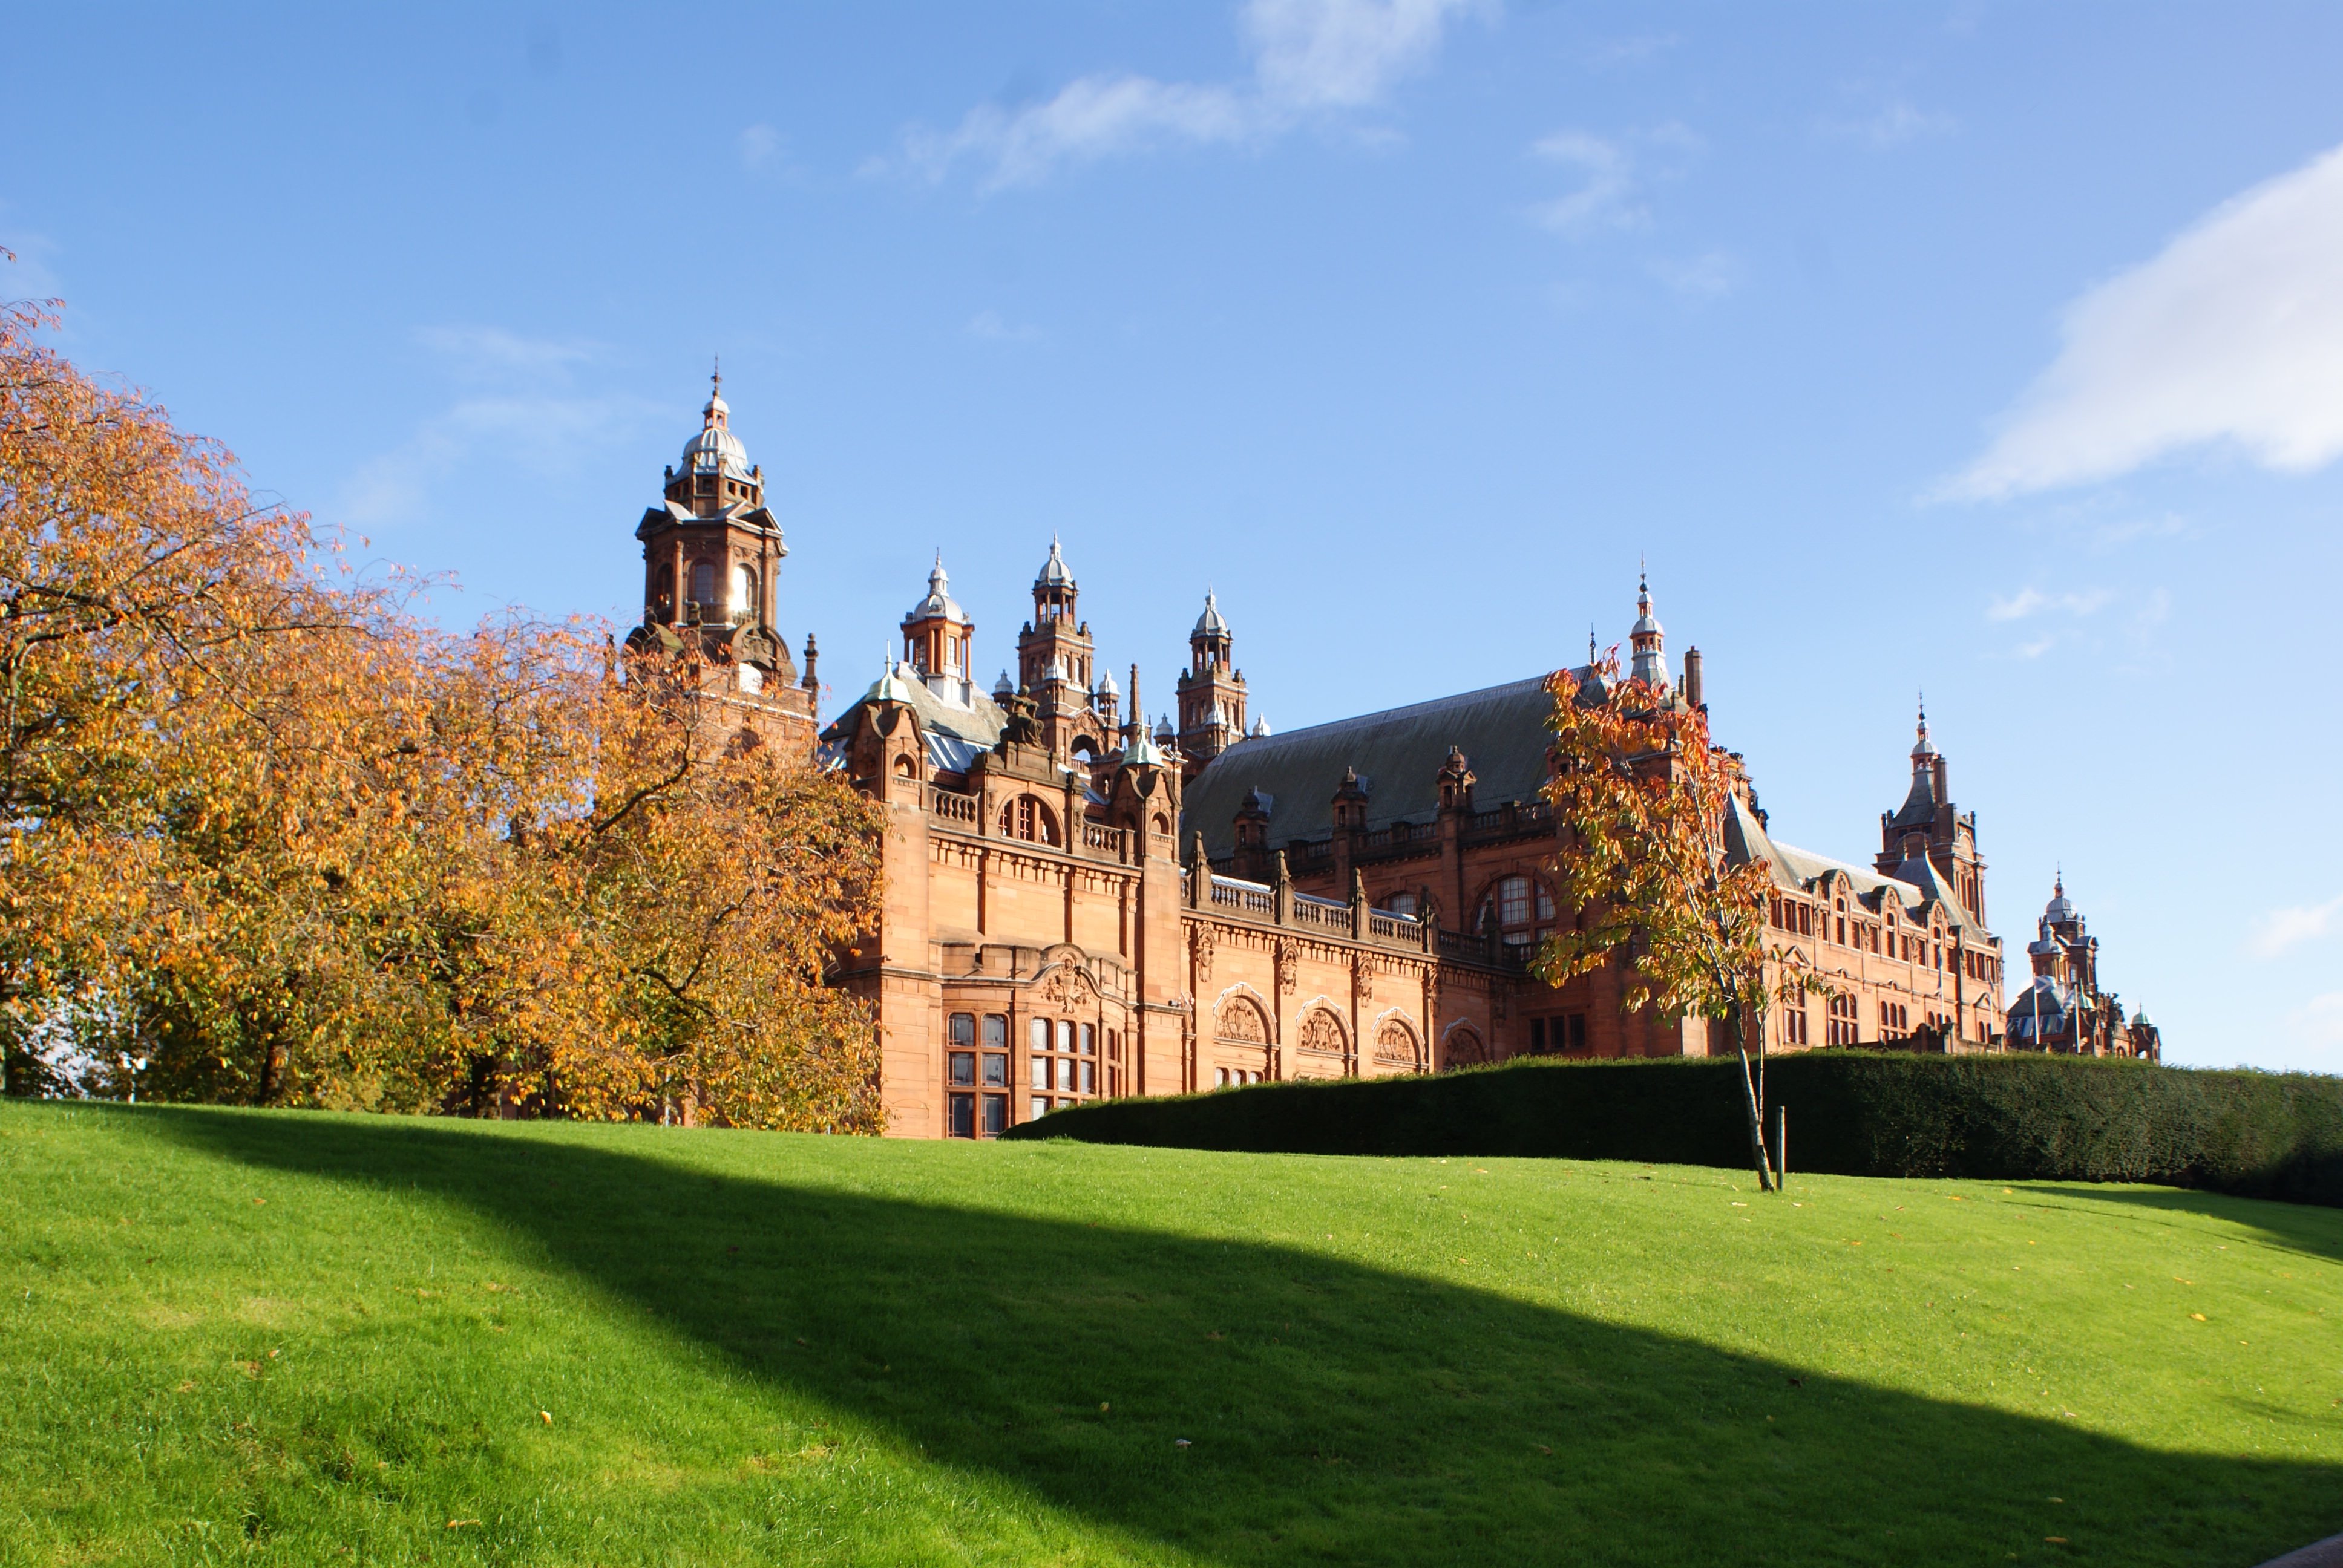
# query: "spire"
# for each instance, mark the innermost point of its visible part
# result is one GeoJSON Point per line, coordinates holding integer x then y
{"type": "Point", "coordinates": [1648, 639]}
{"type": "Point", "coordinates": [1922, 752]}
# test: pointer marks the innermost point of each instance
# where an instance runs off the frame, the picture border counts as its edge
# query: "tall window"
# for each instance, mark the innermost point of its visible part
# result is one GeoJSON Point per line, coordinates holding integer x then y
{"type": "Point", "coordinates": [976, 1083]}
{"type": "Point", "coordinates": [1522, 908]}
{"type": "Point", "coordinates": [1027, 819]}
{"type": "Point", "coordinates": [703, 582]}
{"type": "Point", "coordinates": [744, 591]}
{"type": "Point", "coordinates": [1063, 1063]}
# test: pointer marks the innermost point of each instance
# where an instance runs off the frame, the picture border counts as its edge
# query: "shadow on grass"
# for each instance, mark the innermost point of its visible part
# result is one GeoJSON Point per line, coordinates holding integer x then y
{"type": "Point", "coordinates": [2290, 1227]}
{"type": "Point", "coordinates": [1337, 1413]}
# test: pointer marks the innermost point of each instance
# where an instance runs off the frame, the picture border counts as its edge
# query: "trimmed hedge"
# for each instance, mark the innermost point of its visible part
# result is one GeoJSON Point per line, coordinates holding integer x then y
{"type": "Point", "coordinates": [1858, 1114]}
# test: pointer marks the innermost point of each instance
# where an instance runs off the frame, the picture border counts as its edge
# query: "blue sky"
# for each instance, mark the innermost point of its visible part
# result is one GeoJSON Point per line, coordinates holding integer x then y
{"type": "Point", "coordinates": [1992, 351]}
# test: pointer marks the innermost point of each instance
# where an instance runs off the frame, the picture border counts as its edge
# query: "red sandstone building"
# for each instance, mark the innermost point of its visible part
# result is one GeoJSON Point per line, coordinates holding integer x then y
{"type": "Point", "coordinates": [1077, 908]}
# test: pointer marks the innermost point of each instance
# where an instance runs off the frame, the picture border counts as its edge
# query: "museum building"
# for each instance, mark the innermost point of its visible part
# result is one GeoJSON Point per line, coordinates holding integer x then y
{"type": "Point", "coordinates": [1077, 907]}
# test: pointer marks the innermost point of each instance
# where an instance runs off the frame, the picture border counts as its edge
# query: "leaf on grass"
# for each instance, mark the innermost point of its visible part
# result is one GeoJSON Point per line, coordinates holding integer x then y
{"type": "Point", "coordinates": [546, 1416]}
{"type": "Point", "coordinates": [2199, 1316]}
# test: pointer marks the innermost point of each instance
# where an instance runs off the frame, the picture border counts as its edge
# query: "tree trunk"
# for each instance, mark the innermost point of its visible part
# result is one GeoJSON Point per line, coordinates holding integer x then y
{"type": "Point", "coordinates": [1752, 1096]}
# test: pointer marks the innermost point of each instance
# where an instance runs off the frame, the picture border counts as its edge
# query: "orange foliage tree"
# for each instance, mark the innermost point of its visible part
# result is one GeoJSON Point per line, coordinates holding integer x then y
{"type": "Point", "coordinates": [1641, 795]}
{"type": "Point", "coordinates": [273, 839]}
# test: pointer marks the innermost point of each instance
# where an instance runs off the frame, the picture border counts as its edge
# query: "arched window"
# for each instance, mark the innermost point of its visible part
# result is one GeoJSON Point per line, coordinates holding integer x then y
{"type": "Point", "coordinates": [1398, 903]}
{"type": "Point", "coordinates": [663, 592]}
{"type": "Point", "coordinates": [703, 582]}
{"type": "Point", "coordinates": [1522, 908]}
{"type": "Point", "coordinates": [1027, 819]}
{"type": "Point", "coordinates": [744, 592]}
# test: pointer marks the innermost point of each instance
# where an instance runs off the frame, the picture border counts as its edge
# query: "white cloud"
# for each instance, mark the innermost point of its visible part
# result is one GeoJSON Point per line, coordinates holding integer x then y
{"type": "Point", "coordinates": [2315, 1028]}
{"type": "Point", "coordinates": [1606, 194]}
{"type": "Point", "coordinates": [2032, 602]}
{"type": "Point", "coordinates": [2232, 335]}
{"type": "Point", "coordinates": [1310, 59]}
{"type": "Point", "coordinates": [1703, 278]}
{"type": "Point", "coordinates": [1896, 123]}
{"type": "Point", "coordinates": [2281, 930]}
{"type": "Point", "coordinates": [760, 145]}
{"type": "Point", "coordinates": [521, 410]}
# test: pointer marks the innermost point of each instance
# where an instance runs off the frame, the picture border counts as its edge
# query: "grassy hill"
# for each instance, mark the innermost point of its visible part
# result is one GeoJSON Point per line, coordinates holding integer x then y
{"type": "Point", "coordinates": [307, 1339]}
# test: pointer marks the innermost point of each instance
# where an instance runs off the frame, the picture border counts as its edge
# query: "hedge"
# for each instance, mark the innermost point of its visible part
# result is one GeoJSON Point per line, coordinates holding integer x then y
{"type": "Point", "coordinates": [1858, 1114]}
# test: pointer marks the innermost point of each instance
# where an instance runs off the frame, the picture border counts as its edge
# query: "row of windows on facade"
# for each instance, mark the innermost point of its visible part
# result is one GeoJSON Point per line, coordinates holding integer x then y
{"type": "Point", "coordinates": [1843, 1025]}
{"type": "Point", "coordinates": [1063, 1066]}
{"type": "Point", "coordinates": [1913, 946]}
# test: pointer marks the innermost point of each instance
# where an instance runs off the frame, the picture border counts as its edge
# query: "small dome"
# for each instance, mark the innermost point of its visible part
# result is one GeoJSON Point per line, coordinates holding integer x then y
{"type": "Point", "coordinates": [1211, 623]}
{"type": "Point", "coordinates": [1053, 573]}
{"type": "Point", "coordinates": [1164, 730]}
{"type": "Point", "coordinates": [1003, 687]}
{"type": "Point", "coordinates": [715, 449]}
{"type": "Point", "coordinates": [1260, 727]}
{"type": "Point", "coordinates": [939, 605]}
{"type": "Point", "coordinates": [2060, 907]}
{"type": "Point", "coordinates": [1106, 686]}
{"type": "Point", "coordinates": [1646, 624]}
{"type": "Point", "coordinates": [2140, 1018]}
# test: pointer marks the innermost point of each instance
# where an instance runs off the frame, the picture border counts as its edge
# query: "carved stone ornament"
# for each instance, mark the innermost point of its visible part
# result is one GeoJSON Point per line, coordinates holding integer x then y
{"type": "Point", "coordinates": [1066, 987]}
{"type": "Point", "coordinates": [1322, 1031]}
{"type": "Point", "coordinates": [1289, 964]}
{"type": "Point", "coordinates": [1240, 1020]}
{"type": "Point", "coordinates": [1202, 940]}
{"type": "Point", "coordinates": [1363, 982]}
{"type": "Point", "coordinates": [1395, 1042]}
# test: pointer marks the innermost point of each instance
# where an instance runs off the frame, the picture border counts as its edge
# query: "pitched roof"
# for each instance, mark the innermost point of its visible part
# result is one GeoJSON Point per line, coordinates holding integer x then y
{"type": "Point", "coordinates": [1916, 882]}
{"type": "Point", "coordinates": [1397, 753]}
{"type": "Point", "coordinates": [954, 734]}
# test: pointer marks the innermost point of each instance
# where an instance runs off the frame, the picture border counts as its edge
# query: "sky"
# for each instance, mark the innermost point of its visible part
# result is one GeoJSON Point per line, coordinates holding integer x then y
{"type": "Point", "coordinates": [1986, 350]}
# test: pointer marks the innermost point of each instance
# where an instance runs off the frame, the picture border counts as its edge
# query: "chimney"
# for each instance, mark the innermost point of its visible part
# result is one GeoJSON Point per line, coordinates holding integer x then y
{"type": "Point", "coordinates": [809, 683]}
{"type": "Point", "coordinates": [1943, 789]}
{"type": "Point", "coordinates": [1692, 690]}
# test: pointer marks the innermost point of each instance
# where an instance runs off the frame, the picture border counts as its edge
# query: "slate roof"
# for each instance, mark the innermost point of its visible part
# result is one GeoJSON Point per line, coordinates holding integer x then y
{"type": "Point", "coordinates": [954, 734]}
{"type": "Point", "coordinates": [1398, 753]}
{"type": "Point", "coordinates": [1914, 882]}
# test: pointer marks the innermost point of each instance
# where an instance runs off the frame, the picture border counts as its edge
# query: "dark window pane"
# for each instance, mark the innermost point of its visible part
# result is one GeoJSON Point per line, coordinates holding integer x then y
{"type": "Point", "coordinates": [1089, 1040]}
{"type": "Point", "coordinates": [962, 1029]}
{"type": "Point", "coordinates": [963, 1114]}
{"type": "Point", "coordinates": [996, 1032]}
{"type": "Point", "coordinates": [996, 1115]}
{"type": "Point", "coordinates": [1090, 1078]}
{"type": "Point", "coordinates": [996, 1070]}
{"type": "Point", "coordinates": [960, 1067]}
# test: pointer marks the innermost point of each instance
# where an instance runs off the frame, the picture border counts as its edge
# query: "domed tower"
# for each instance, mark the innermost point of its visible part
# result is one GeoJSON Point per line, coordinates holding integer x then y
{"type": "Point", "coordinates": [937, 638]}
{"type": "Point", "coordinates": [711, 550]}
{"type": "Point", "coordinates": [1212, 690]}
{"type": "Point", "coordinates": [1054, 655]}
{"type": "Point", "coordinates": [1648, 640]}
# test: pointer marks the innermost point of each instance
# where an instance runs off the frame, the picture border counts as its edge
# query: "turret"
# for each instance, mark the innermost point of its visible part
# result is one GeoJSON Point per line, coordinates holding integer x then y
{"type": "Point", "coordinates": [1212, 690]}
{"type": "Point", "coordinates": [939, 640]}
{"type": "Point", "coordinates": [1649, 642]}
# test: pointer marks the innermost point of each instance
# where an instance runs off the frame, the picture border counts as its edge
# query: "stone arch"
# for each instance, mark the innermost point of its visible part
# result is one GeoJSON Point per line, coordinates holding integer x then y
{"type": "Point", "coordinates": [1322, 1033]}
{"type": "Point", "coordinates": [1242, 1018]}
{"type": "Point", "coordinates": [1461, 1045]}
{"type": "Point", "coordinates": [1396, 1041]}
{"type": "Point", "coordinates": [1029, 818]}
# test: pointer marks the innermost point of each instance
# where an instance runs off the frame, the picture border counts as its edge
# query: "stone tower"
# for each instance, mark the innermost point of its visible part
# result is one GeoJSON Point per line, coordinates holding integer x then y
{"type": "Point", "coordinates": [1926, 828]}
{"type": "Point", "coordinates": [1212, 691]}
{"type": "Point", "coordinates": [710, 552]}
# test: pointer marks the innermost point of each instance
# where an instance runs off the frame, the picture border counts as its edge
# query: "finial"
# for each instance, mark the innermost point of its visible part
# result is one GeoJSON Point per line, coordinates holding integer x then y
{"type": "Point", "coordinates": [1924, 716]}
{"type": "Point", "coordinates": [1590, 646]}
{"type": "Point", "coordinates": [716, 376]}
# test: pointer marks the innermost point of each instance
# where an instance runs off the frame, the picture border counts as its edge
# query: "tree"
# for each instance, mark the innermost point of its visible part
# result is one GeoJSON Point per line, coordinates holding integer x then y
{"type": "Point", "coordinates": [1641, 797]}
{"type": "Point", "coordinates": [275, 839]}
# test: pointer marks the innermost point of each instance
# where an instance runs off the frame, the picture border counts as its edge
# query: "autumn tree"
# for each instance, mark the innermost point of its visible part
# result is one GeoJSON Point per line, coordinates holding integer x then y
{"type": "Point", "coordinates": [275, 839]}
{"type": "Point", "coordinates": [1641, 798]}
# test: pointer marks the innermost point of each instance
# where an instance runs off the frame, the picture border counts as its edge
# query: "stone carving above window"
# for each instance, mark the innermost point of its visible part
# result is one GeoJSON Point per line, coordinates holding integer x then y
{"type": "Point", "coordinates": [1322, 1033]}
{"type": "Point", "coordinates": [1240, 1020]}
{"type": "Point", "coordinates": [1395, 1042]}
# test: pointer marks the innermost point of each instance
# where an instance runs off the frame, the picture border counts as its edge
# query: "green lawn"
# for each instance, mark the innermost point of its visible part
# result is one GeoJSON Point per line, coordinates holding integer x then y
{"type": "Point", "coordinates": [310, 1339]}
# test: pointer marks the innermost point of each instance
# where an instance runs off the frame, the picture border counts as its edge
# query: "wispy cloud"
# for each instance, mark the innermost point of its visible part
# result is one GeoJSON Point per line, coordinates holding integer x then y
{"type": "Point", "coordinates": [990, 327]}
{"type": "Point", "coordinates": [1711, 276]}
{"type": "Point", "coordinates": [1311, 59]}
{"type": "Point", "coordinates": [1634, 50]}
{"type": "Point", "coordinates": [2316, 1027]}
{"type": "Point", "coordinates": [2031, 601]}
{"type": "Point", "coordinates": [2232, 335]}
{"type": "Point", "coordinates": [2281, 930]}
{"type": "Point", "coordinates": [520, 406]}
{"type": "Point", "coordinates": [1611, 173]}
{"type": "Point", "coordinates": [1891, 124]}
{"type": "Point", "coordinates": [759, 147]}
